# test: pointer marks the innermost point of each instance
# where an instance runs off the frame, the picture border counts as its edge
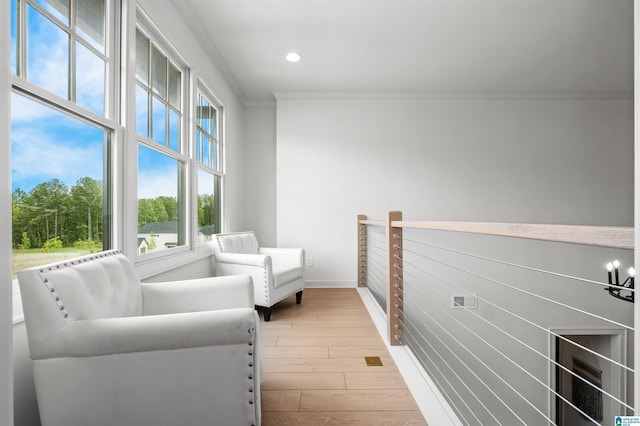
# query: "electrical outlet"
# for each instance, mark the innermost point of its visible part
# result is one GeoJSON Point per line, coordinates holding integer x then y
{"type": "Point", "coordinates": [308, 261]}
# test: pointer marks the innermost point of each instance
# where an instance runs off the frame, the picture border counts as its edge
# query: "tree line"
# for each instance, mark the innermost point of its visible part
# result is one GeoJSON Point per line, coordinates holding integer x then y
{"type": "Point", "coordinates": [53, 215]}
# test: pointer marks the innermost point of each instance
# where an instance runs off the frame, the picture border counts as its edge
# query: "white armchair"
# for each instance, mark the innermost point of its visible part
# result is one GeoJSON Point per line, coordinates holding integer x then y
{"type": "Point", "coordinates": [110, 350]}
{"type": "Point", "coordinates": [277, 273]}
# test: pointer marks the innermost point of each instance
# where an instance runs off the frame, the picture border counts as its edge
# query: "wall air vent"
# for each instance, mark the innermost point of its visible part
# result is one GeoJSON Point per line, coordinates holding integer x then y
{"type": "Point", "coordinates": [468, 301]}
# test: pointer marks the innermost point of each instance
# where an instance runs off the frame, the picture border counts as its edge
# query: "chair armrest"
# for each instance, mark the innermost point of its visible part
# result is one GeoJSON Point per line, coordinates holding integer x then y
{"type": "Point", "coordinates": [257, 260]}
{"type": "Point", "coordinates": [284, 256]}
{"type": "Point", "coordinates": [203, 294]}
{"type": "Point", "coordinates": [85, 338]}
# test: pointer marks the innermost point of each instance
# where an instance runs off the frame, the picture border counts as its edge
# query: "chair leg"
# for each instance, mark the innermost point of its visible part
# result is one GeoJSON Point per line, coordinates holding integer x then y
{"type": "Point", "coordinates": [299, 297]}
{"type": "Point", "coordinates": [267, 314]}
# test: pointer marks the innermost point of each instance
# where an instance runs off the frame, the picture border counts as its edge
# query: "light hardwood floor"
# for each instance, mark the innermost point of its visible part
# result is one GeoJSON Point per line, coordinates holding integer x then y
{"type": "Point", "coordinates": [315, 371]}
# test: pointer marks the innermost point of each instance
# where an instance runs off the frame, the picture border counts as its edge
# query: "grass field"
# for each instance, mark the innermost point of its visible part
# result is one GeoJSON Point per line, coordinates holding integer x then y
{"type": "Point", "coordinates": [22, 259]}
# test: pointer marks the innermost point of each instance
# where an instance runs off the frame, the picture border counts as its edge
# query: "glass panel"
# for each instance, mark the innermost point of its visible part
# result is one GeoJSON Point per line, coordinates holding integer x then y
{"type": "Point", "coordinates": [47, 54]}
{"type": "Point", "coordinates": [159, 121]}
{"type": "Point", "coordinates": [174, 87]}
{"type": "Point", "coordinates": [142, 111]}
{"type": "Point", "coordinates": [90, 22]}
{"type": "Point", "coordinates": [206, 206]}
{"type": "Point", "coordinates": [158, 212]}
{"type": "Point", "coordinates": [90, 80]}
{"type": "Point", "coordinates": [142, 58]}
{"type": "Point", "coordinates": [58, 8]}
{"type": "Point", "coordinates": [174, 130]}
{"type": "Point", "coordinates": [58, 208]}
{"type": "Point", "coordinates": [213, 117]}
{"type": "Point", "coordinates": [199, 110]}
{"type": "Point", "coordinates": [159, 72]}
{"type": "Point", "coordinates": [205, 114]}
{"type": "Point", "coordinates": [198, 145]}
{"type": "Point", "coordinates": [205, 150]}
{"type": "Point", "coordinates": [14, 40]}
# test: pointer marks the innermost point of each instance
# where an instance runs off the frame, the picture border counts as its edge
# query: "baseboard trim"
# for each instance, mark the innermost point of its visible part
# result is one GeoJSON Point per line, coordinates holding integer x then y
{"type": "Point", "coordinates": [434, 407]}
{"type": "Point", "coordinates": [330, 284]}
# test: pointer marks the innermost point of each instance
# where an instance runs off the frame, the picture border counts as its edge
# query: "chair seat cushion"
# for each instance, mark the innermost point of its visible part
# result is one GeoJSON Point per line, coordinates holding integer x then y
{"type": "Point", "coordinates": [283, 275]}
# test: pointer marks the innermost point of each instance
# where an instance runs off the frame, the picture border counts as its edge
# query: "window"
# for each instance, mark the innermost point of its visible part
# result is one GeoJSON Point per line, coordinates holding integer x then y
{"type": "Point", "coordinates": [208, 157]}
{"type": "Point", "coordinates": [162, 158]}
{"type": "Point", "coordinates": [61, 152]}
{"type": "Point", "coordinates": [61, 46]}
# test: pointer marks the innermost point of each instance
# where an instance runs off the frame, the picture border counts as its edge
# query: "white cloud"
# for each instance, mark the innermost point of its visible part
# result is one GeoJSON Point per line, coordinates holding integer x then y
{"type": "Point", "coordinates": [155, 184]}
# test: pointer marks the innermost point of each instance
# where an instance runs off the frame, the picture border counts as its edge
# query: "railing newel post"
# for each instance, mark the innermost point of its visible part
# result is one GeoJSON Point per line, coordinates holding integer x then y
{"type": "Point", "coordinates": [362, 251]}
{"type": "Point", "coordinates": [395, 280]}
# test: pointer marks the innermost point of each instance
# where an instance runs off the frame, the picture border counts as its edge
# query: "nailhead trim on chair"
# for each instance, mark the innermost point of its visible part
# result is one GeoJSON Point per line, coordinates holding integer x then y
{"type": "Point", "coordinates": [60, 265]}
{"type": "Point", "coordinates": [252, 332]}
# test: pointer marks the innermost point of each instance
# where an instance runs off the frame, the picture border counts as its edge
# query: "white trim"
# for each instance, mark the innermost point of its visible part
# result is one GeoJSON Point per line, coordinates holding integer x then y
{"type": "Point", "coordinates": [149, 268]}
{"type": "Point", "coordinates": [435, 409]}
{"type": "Point", "coordinates": [418, 95]}
{"type": "Point", "coordinates": [330, 284]}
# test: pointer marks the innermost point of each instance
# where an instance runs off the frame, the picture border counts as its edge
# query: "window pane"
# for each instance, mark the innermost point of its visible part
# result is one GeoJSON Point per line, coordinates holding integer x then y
{"type": "Point", "coordinates": [90, 22]}
{"type": "Point", "coordinates": [198, 145]}
{"type": "Point", "coordinates": [213, 126]}
{"type": "Point", "coordinates": [205, 115]}
{"type": "Point", "coordinates": [208, 206]}
{"type": "Point", "coordinates": [199, 110]}
{"type": "Point", "coordinates": [158, 209]}
{"type": "Point", "coordinates": [159, 72]}
{"type": "Point", "coordinates": [47, 54]}
{"type": "Point", "coordinates": [142, 111]}
{"type": "Point", "coordinates": [142, 58]}
{"type": "Point", "coordinates": [58, 184]}
{"type": "Point", "coordinates": [58, 8]}
{"type": "Point", "coordinates": [174, 87]}
{"type": "Point", "coordinates": [205, 150]}
{"type": "Point", "coordinates": [159, 121]}
{"type": "Point", "coordinates": [90, 80]}
{"type": "Point", "coordinates": [174, 131]}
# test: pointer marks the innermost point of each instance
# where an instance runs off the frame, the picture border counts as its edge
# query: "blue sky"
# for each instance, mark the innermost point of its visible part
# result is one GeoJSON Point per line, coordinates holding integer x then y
{"type": "Point", "coordinates": [47, 145]}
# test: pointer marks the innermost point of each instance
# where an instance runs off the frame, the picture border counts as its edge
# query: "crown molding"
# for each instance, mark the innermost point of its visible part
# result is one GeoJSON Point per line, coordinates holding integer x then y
{"type": "Point", "coordinates": [423, 95]}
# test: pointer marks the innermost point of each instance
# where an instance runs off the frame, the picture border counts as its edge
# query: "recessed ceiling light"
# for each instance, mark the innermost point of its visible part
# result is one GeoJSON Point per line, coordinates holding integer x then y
{"type": "Point", "coordinates": [294, 57]}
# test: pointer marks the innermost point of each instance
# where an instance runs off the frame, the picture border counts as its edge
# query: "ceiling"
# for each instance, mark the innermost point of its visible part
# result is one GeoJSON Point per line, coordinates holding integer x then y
{"type": "Point", "coordinates": [418, 47]}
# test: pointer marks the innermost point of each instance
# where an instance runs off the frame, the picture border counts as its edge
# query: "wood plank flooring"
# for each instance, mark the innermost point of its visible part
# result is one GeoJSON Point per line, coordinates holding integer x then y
{"type": "Point", "coordinates": [314, 367]}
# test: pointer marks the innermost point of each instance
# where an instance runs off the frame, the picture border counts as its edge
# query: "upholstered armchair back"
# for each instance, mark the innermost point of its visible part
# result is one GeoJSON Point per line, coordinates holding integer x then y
{"type": "Point", "coordinates": [237, 242]}
{"type": "Point", "coordinates": [103, 285]}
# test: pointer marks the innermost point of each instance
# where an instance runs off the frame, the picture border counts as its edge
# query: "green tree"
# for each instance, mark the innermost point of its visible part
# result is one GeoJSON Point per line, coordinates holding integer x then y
{"type": "Point", "coordinates": [50, 201]}
{"type": "Point", "coordinates": [86, 197]}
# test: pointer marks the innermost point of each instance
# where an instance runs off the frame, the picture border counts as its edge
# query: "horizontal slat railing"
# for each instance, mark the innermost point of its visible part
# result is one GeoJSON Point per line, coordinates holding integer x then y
{"type": "Point", "coordinates": [510, 320]}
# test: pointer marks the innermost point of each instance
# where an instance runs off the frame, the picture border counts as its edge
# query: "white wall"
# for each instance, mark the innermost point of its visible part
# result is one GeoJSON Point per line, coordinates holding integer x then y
{"type": "Point", "coordinates": [260, 173]}
{"type": "Point", "coordinates": [6, 368]}
{"type": "Point", "coordinates": [514, 160]}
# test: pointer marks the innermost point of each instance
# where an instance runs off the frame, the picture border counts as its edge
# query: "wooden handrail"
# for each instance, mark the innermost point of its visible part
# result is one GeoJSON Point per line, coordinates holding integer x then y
{"type": "Point", "coordinates": [602, 236]}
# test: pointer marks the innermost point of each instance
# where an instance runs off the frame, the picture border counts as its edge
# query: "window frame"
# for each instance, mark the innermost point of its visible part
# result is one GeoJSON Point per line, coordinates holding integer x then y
{"type": "Point", "coordinates": [218, 169]}
{"type": "Point", "coordinates": [158, 40]}
{"type": "Point", "coordinates": [107, 122]}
